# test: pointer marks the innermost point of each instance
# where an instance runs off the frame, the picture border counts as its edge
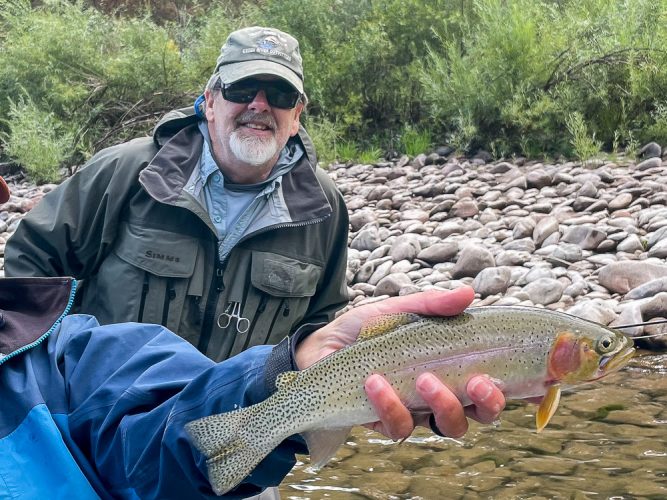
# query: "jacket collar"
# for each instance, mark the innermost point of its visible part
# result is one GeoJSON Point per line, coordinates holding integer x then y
{"type": "Point", "coordinates": [166, 176]}
{"type": "Point", "coordinates": [30, 309]}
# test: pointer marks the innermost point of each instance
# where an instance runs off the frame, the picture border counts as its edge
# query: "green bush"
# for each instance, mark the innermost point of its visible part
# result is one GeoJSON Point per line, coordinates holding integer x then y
{"type": "Point", "coordinates": [584, 145]}
{"type": "Point", "coordinates": [504, 75]}
{"type": "Point", "coordinates": [414, 142]}
{"type": "Point", "coordinates": [325, 135]}
{"type": "Point", "coordinates": [37, 140]}
{"type": "Point", "coordinates": [525, 66]}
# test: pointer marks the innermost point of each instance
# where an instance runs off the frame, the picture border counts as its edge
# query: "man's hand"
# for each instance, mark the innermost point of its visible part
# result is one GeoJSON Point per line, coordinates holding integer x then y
{"type": "Point", "coordinates": [396, 421]}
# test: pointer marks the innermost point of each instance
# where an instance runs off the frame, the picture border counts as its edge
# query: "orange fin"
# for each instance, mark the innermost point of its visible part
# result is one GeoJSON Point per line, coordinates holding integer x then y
{"type": "Point", "coordinates": [379, 325]}
{"type": "Point", "coordinates": [547, 407]}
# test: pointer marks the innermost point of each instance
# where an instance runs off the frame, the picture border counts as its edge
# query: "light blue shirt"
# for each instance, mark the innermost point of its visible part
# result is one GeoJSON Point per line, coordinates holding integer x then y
{"type": "Point", "coordinates": [233, 208]}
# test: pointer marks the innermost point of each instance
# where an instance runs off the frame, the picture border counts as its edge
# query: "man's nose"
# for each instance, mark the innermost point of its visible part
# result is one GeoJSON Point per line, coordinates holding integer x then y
{"type": "Point", "coordinates": [260, 102]}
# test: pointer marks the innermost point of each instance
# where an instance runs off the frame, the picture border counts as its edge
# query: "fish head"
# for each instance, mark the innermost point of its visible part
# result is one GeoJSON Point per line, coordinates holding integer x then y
{"type": "Point", "coordinates": [588, 353]}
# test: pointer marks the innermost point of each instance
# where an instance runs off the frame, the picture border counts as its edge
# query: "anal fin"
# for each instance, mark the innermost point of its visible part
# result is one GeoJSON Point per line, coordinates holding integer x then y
{"type": "Point", "coordinates": [323, 444]}
{"type": "Point", "coordinates": [547, 407]}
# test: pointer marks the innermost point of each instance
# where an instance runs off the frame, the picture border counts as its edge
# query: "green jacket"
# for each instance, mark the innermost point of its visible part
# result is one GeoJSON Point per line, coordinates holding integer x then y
{"type": "Point", "coordinates": [146, 249]}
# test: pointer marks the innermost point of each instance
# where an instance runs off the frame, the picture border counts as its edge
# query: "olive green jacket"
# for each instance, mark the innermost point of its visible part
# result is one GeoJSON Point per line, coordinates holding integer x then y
{"type": "Point", "coordinates": [146, 249]}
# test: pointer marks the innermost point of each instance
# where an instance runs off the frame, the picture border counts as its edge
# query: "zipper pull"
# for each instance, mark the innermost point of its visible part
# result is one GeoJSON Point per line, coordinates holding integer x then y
{"type": "Point", "coordinates": [219, 283]}
{"type": "Point", "coordinates": [286, 311]}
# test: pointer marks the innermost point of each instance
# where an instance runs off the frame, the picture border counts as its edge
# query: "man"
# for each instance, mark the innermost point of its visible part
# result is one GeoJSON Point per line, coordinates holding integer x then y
{"type": "Point", "coordinates": [93, 411]}
{"type": "Point", "coordinates": [220, 227]}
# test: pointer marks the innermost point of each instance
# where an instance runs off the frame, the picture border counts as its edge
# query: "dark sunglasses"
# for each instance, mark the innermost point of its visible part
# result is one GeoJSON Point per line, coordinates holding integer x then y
{"type": "Point", "coordinates": [279, 94]}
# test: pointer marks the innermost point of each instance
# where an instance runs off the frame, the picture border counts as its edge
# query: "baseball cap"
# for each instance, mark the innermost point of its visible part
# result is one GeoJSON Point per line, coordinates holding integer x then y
{"type": "Point", "coordinates": [4, 191]}
{"type": "Point", "coordinates": [257, 51]}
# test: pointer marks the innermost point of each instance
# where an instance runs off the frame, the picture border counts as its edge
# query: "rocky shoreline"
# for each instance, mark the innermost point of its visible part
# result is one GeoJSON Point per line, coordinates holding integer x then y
{"type": "Point", "coordinates": [589, 239]}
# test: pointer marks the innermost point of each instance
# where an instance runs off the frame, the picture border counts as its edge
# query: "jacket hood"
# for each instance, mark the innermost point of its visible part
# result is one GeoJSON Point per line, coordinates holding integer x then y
{"type": "Point", "coordinates": [176, 120]}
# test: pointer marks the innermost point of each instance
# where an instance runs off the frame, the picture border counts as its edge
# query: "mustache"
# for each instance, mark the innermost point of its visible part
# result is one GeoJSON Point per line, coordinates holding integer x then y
{"type": "Point", "coordinates": [251, 116]}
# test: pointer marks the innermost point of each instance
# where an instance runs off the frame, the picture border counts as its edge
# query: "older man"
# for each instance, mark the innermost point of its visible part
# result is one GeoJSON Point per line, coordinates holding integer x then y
{"type": "Point", "coordinates": [220, 227]}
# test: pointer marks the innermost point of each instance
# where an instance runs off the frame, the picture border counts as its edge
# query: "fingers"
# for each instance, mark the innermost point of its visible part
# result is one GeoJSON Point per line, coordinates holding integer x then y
{"type": "Point", "coordinates": [395, 419]}
{"type": "Point", "coordinates": [488, 400]}
{"type": "Point", "coordinates": [345, 328]}
{"type": "Point", "coordinates": [430, 303]}
{"type": "Point", "coordinates": [447, 409]}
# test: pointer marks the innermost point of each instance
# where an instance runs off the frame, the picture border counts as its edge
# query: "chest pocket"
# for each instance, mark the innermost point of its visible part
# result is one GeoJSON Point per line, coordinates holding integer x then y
{"type": "Point", "coordinates": [278, 298]}
{"type": "Point", "coordinates": [164, 264]}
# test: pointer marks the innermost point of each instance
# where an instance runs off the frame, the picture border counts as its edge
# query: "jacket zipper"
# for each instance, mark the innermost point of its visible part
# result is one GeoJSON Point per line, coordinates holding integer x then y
{"type": "Point", "coordinates": [275, 317]}
{"type": "Point", "coordinates": [169, 295]}
{"type": "Point", "coordinates": [214, 291]}
{"type": "Point", "coordinates": [217, 285]}
{"type": "Point", "coordinates": [282, 226]}
{"type": "Point", "coordinates": [144, 294]}
{"type": "Point", "coordinates": [260, 310]}
{"type": "Point", "coordinates": [41, 339]}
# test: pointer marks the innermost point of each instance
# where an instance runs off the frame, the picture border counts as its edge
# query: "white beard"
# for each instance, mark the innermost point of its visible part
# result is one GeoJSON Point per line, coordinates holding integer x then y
{"type": "Point", "coordinates": [252, 150]}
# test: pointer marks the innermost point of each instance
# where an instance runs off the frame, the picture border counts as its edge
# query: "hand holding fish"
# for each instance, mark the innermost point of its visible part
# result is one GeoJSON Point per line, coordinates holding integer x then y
{"type": "Point", "coordinates": [378, 361]}
{"type": "Point", "coordinates": [395, 420]}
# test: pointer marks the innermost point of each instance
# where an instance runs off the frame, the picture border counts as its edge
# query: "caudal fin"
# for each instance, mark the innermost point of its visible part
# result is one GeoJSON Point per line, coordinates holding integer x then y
{"type": "Point", "coordinates": [233, 444]}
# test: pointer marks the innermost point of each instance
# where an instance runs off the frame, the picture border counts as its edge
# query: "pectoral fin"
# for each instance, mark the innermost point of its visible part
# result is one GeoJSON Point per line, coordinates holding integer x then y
{"type": "Point", "coordinates": [322, 445]}
{"type": "Point", "coordinates": [547, 407]}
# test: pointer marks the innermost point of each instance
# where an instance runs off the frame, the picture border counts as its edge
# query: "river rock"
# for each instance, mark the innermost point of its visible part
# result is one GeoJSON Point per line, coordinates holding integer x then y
{"type": "Point", "coordinates": [621, 277]}
{"type": "Point", "coordinates": [589, 238]}
{"type": "Point", "coordinates": [472, 259]}
{"type": "Point", "coordinates": [492, 280]}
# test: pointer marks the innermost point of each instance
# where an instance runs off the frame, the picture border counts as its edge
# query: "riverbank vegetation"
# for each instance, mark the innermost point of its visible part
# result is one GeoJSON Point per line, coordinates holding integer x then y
{"type": "Point", "coordinates": [519, 77]}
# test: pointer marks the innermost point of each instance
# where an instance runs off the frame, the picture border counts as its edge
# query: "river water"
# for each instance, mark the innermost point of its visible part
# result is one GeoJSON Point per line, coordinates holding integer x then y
{"type": "Point", "coordinates": [607, 440]}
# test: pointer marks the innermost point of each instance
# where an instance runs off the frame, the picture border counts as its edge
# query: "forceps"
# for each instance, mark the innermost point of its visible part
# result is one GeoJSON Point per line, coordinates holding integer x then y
{"type": "Point", "coordinates": [233, 311]}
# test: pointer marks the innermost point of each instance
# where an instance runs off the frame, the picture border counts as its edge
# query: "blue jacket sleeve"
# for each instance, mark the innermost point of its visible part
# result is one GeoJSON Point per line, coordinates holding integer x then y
{"type": "Point", "coordinates": [131, 390]}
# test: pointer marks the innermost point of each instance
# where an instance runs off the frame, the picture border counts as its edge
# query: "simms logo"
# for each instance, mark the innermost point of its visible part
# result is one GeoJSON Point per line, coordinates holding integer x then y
{"type": "Point", "coordinates": [161, 256]}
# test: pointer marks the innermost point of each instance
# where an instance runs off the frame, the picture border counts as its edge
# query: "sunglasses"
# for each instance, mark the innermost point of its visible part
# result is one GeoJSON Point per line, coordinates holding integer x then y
{"type": "Point", "coordinates": [279, 94]}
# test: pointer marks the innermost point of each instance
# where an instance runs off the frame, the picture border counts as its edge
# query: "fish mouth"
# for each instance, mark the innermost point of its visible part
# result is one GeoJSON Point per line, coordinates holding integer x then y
{"type": "Point", "coordinates": [616, 361]}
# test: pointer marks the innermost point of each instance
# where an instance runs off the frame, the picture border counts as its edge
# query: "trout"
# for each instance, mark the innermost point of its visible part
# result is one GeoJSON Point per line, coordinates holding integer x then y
{"type": "Point", "coordinates": [528, 352]}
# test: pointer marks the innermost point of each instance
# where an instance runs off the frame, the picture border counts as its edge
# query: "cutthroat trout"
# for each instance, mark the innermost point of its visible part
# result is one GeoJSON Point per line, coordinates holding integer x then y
{"type": "Point", "coordinates": [528, 352]}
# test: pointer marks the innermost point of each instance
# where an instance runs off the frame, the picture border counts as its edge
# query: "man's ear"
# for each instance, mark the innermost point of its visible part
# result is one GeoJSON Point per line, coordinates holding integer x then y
{"type": "Point", "coordinates": [297, 115]}
{"type": "Point", "coordinates": [208, 107]}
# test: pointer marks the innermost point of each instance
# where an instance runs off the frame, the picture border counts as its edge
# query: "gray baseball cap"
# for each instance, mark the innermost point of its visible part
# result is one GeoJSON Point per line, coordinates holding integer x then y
{"type": "Point", "coordinates": [257, 51]}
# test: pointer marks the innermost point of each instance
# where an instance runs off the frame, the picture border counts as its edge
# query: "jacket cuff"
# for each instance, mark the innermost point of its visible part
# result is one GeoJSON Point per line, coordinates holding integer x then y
{"type": "Point", "coordinates": [282, 358]}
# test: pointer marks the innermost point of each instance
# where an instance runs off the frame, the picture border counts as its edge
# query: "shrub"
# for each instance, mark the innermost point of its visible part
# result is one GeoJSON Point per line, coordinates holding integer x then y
{"type": "Point", "coordinates": [414, 142]}
{"type": "Point", "coordinates": [36, 140]}
{"type": "Point", "coordinates": [585, 146]}
{"type": "Point", "coordinates": [325, 135]}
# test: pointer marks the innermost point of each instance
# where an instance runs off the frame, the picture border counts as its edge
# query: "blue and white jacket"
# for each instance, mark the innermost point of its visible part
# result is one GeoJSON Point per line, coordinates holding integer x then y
{"type": "Point", "coordinates": [89, 411]}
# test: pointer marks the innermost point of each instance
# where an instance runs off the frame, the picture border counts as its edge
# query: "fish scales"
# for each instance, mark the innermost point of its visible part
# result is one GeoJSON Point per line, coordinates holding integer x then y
{"type": "Point", "coordinates": [527, 351]}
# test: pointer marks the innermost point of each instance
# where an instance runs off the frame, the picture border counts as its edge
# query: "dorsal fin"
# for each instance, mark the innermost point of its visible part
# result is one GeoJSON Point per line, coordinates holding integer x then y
{"type": "Point", "coordinates": [285, 379]}
{"type": "Point", "coordinates": [379, 325]}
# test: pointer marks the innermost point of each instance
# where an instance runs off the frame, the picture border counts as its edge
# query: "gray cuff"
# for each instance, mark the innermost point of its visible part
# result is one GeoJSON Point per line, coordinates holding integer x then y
{"type": "Point", "coordinates": [279, 361]}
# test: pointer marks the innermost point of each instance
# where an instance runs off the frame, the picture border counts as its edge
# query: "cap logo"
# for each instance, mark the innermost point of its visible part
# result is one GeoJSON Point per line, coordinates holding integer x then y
{"type": "Point", "coordinates": [268, 46]}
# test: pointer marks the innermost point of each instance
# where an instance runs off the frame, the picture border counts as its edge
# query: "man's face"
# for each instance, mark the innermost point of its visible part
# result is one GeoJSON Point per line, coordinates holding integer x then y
{"type": "Point", "coordinates": [247, 138]}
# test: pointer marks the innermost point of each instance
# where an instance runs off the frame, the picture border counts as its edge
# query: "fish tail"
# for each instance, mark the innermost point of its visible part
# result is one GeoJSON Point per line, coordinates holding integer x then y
{"type": "Point", "coordinates": [233, 445]}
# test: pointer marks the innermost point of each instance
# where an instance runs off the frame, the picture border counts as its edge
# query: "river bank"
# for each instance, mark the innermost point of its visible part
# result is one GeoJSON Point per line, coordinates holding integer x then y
{"type": "Point", "coordinates": [589, 239]}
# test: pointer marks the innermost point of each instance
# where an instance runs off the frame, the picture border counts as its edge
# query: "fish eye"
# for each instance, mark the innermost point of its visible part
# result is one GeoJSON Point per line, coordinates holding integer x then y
{"type": "Point", "coordinates": [605, 344]}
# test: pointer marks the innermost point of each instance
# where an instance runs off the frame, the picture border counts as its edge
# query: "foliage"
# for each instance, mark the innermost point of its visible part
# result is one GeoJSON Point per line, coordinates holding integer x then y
{"type": "Point", "coordinates": [509, 76]}
{"type": "Point", "coordinates": [525, 67]}
{"type": "Point", "coordinates": [347, 151]}
{"type": "Point", "coordinates": [370, 155]}
{"type": "Point", "coordinates": [107, 79]}
{"type": "Point", "coordinates": [325, 135]}
{"type": "Point", "coordinates": [414, 142]}
{"type": "Point", "coordinates": [36, 140]}
{"type": "Point", "coordinates": [585, 146]}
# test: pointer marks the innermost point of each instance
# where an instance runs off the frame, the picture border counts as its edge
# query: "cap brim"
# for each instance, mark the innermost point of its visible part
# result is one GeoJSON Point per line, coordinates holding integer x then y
{"type": "Point", "coordinates": [230, 73]}
{"type": "Point", "coordinates": [4, 191]}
